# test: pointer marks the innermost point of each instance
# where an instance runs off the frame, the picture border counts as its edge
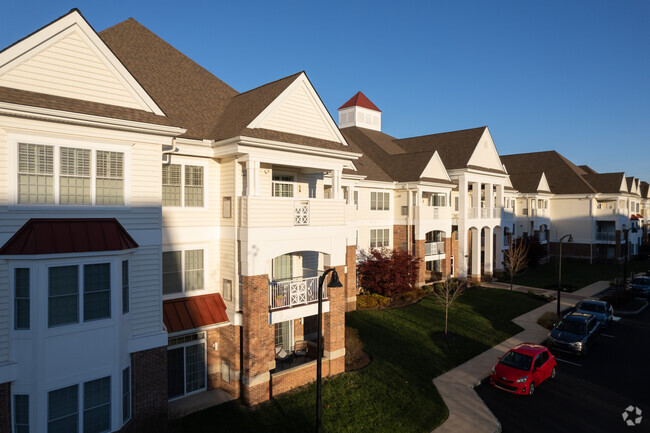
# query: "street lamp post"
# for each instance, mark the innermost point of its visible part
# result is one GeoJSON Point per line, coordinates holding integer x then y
{"type": "Point", "coordinates": [559, 283]}
{"type": "Point", "coordinates": [627, 250]}
{"type": "Point", "coordinates": [334, 282]}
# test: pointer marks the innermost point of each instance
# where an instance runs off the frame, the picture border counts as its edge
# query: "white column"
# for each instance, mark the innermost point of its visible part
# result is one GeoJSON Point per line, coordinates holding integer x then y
{"type": "Point", "coordinates": [252, 177]}
{"type": "Point", "coordinates": [476, 253]}
{"type": "Point", "coordinates": [462, 198]}
{"type": "Point", "coordinates": [476, 195]}
{"type": "Point", "coordinates": [489, 198]}
{"type": "Point", "coordinates": [499, 203]}
{"type": "Point", "coordinates": [498, 246]}
{"type": "Point", "coordinates": [488, 251]}
{"type": "Point", "coordinates": [336, 184]}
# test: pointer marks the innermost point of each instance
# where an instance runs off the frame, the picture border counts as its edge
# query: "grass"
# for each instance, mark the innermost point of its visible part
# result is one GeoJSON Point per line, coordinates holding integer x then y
{"type": "Point", "coordinates": [395, 392]}
{"type": "Point", "coordinates": [576, 274]}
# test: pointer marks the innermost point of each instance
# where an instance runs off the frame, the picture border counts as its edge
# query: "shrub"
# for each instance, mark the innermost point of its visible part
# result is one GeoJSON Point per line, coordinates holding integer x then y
{"type": "Point", "coordinates": [355, 357]}
{"type": "Point", "coordinates": [372, 301]}
{"type": "Point", "coordinates": [410, 296]}
{"type": "Point", "coordinates": [388, 272]}
{"type": "Point", "coordinates": [548, 319]}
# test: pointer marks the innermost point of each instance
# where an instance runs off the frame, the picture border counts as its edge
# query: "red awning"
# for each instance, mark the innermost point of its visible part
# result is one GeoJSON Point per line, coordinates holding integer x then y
{"type": "Point", "coordinates": [68, 235]}
{"type": "Point", "coordinates": [194, 312]}
{"type": "Point", "coordinates": [634, 217]}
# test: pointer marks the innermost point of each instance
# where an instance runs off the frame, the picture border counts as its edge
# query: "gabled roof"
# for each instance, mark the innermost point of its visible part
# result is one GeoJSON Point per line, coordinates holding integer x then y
{"type": "Point", "coordinates": [360, 100]}
{"type": "Point", "coordinates": [527, 182]}
{"type": "Point", "coordinates": [68, 235]}
{"type": "Point", "coordinates": [644, 190]}
{"type": "Point", "coordinates": [562, 175]}
{"type": "Point", "coordinates": [587, 169]}
{"type": "Point", "coordinates": [194, 312]}
{"type": "Point", "coordinates": [186, 92]}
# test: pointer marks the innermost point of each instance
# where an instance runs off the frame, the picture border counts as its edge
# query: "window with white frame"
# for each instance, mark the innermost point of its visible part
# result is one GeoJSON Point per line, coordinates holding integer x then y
{"type": "Point", "coordinates": [379, 238]}
{"type": "Point", "coordinates": [193, 186]}
{"type": "Point", "coordinates": [438, 199]}
{"type": "Point", "coordinates": [188, 191]}
{"type": "Point", "coordinates": [21, 298]}
{"type": "Point", "coordinates": [63, 409]}
{"type": "Point", "coordinates": [283, 185]}
{"type": "Point", "coordinates": [126, 394]}
{"type": "Point", "coordinates": [125, 286]}
{"type": "Point", "coordinates": [284, 336]}
{"type": "Point", "coordinates": [63, 293]}
{"type": "Point", "coordinates": [21, 413]}
{"type": "Point", "coordinates": [52, 174]}
{"type": "Point", "coordinates": [182, 271]}
{"type": "Point", "coordinates": [379, 200]}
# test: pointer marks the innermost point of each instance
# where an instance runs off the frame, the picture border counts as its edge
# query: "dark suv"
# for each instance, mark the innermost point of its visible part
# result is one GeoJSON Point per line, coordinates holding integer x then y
{"type": "Point", "coordinates": [575, 333]}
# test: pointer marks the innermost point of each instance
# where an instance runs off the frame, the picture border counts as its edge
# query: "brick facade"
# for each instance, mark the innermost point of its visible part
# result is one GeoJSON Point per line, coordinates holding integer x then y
{"type": "Point", "coordinates": [5, 407]}
{"type": "Point", "coordinates": [258, 339]}
{"type": "Point", "coordinates": [351, 278]}
{"type": "Point", "coordinates": [227, 338]}
{"type": "Point", "coordinates": [400, 237]}
{"type": "Point", "coordinates": [419, 253]}
{"type": "Point", "coordinates": [334, 326]}
{"type": "Point", "coordinates": [148, 391]}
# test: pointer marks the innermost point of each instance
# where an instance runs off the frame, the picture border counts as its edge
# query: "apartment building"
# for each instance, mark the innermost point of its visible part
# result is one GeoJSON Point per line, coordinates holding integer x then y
{"type": "Point", "coordinates": [599, 210]}
{"type": "Point", "coordinates": [439, 196]}
{"type": "Point", "coordinates": [162, 234]}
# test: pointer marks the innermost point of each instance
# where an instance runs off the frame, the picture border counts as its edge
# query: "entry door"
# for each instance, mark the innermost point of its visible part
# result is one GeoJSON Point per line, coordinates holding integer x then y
{"type": "Point", "coordinates": [186, 369]}
{"type": "Point", "coordinates": [283, 267]}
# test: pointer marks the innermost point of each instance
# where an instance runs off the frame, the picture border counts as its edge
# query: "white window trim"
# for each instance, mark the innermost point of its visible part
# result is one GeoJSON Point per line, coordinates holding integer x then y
{"type": "Point", "coordinates": [293, 175]}
{"type": "Point", "coordinates": [183, 162]}
{"type": "Point", "coordinates": [203, 340]}
{"type": "Point", "coordinates": [390, 200]}
{"type": "Point", "coordinates": [12, 295]}
{"type": "Point", "coordinates": [58, 143]}
{"type": "Point", "coordinates": [390, 236]}
{"type": "Point", "coordinates": [182, 248]}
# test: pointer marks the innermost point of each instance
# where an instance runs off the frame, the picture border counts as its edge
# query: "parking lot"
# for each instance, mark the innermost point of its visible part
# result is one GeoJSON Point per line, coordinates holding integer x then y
{"type": "Point", "coordinates": [589, 393]}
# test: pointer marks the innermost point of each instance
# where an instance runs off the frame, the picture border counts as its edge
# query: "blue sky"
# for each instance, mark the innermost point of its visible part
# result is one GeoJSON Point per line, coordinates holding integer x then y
{"type": "Point", "coordinates": [573, 76]}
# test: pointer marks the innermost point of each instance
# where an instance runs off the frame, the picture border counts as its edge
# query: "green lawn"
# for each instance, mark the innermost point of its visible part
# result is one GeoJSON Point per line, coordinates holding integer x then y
{"type": "Point", "coordinates": [395, 392]}
{"type": "Point", "coordinates": [576, 274]}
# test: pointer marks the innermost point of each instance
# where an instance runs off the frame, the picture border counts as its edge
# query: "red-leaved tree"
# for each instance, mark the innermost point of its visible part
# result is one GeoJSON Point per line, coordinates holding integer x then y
{"type": "Point", "coordinates": [388, 272]}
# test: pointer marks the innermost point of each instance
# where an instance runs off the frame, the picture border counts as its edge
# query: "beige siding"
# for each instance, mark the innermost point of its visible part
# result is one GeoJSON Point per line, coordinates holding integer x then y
{"type": "Point", "coordinates": [299, 114]}
{"type": "Point", "coordinates": [266, 175]}
{"type": "Point", "coordinates": [227, 262]}
{"type": "Point", "coordinates": [399, 199]}
{"type": "Point", "coordinates": [146, 292]}
{"type": "Point", "coordinates": [279, 212]}
{"type": "Point", "coordinates": [70, 68]}
{"type": "Point", "coordinates": [365, 213]}
{"type": "Point", "coordinates": [230, 175]}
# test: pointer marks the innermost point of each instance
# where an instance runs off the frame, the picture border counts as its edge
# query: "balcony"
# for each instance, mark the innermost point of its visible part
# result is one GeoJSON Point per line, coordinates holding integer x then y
{"type": "Point", "coordinates": [289, 212]}
{"type": "Point", "coordinates": [432, 213]}
{"type": "Point", "coordinates": [606, 236]}
{"type": "Point", "coordinates": [434, 248]}
{"type": "Point", "coordinates": [484, 213]}
{"type": "Point", "coordinates": [294, 292]}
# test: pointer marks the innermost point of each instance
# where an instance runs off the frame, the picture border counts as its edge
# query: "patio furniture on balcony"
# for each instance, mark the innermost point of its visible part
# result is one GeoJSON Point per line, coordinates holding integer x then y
{"type": "Point", "coordinates": [282, 355]}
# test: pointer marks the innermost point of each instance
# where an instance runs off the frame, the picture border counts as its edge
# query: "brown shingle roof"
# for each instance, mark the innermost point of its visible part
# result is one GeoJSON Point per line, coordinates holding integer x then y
{"type": "Point", "coordinates": [562, 175]}
{"type": "Point", "coordinates": [33, 99]}
{"type": "Point", "coordinates": [644, 189]}
{"type": "Point", "coordinates": [605, 182]}
{"type": "Point", "coordinates": [587, 169]}
{"type": "Point", "coordinates": [188, 94]}
{"type": "Point", "coordinates": [526, 182]}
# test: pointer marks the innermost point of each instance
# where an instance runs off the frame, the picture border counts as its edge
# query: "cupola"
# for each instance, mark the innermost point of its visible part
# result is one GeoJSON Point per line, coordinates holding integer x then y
{"type": "Point", "coordinates": [360, 111]}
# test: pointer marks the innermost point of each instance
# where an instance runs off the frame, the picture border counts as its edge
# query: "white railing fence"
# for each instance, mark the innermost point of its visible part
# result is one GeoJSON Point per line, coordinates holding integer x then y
{"type": "Point", "coordinates": [434, 248]}
{"type": "Point", "coordinates": [296, 291]}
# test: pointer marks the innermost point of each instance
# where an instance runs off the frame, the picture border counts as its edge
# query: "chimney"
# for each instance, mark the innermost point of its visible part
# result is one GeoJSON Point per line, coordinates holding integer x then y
{"type": "Point", "coordinates": [359, 111]}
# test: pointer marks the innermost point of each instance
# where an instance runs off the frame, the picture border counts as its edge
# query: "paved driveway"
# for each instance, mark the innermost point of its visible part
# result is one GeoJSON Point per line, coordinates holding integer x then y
{"type": "Point", "coordinates": [590, 393]}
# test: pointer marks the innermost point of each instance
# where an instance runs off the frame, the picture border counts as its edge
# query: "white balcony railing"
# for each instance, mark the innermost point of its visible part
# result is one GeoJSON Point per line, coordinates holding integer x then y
{"type": "Point", "coordinates": [434, 248]}
{"type": "Point", "coordinates": [432, 212]}
{"type": "Point", "coordinates": [293, 292]}
{"type": "Point", "coordinates": [301, 213]}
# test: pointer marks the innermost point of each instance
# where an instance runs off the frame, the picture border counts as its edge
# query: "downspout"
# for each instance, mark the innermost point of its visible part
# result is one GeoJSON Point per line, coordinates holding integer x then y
{"type": "Point", "coordinates": [169, 150]}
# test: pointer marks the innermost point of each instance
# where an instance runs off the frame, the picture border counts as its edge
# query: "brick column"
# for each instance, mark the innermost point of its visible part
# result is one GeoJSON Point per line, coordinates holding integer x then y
{"type": "Point", "coordinates": [351, 278]}
{"type": "Point", "coordinates": [400, 237]}
{"type": "Point", "coordinates": [475, 255]}
{"type": "Point", "coordinates": [5, 407]}
{"type": "Point", "coordinates": [419, 253]}
{"type": "Point", "coordinates": [334, 327]}
{"type": "Point", "coordinates": [227, 339]}
{"type": "Point", "coordinates": [446, 263]}
{"type": "Point", "coordinates": [258, 340]}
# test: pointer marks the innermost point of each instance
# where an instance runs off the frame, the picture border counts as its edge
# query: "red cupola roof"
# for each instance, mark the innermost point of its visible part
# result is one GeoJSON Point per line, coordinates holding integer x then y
{"type": "Point", "coordinates": [360, 100]}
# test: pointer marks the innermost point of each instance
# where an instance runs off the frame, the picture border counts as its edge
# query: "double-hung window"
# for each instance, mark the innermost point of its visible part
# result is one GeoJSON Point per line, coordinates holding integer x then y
{"type": "Point", "coordinates": [188, 191]}
{"type": "Point", "coordinates": [63, 410]}
{"type": "Point", "coordinates": [21, 298]}
{"type": "Point", "coordinates": [126, 394]}
{"type": "Point", "coordinates": [52, 174]}
{"type": "Point", "coordinates": [379, 200]}
{"type": "Point", "coordinates": [379, 238]}
{"type": "Point", "coordinates": [21, 413]}
{"type": "Point", "coordinates": [283, 185]}
{"type": "Point", "coordinates": [182, 271]}
{"type": "Point", "coordinates": [439, 199]}
{"type": "Point", "coordinates": [64, 284]}
{"type": "Point", "coordinates": [125, 286]}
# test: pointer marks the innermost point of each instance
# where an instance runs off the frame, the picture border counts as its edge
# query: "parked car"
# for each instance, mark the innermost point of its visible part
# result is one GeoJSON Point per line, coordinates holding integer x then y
{"type": "Point", "coordinates": [523, 368]}
{"type": "Point", "coordinates": [575, 333]}
{"type": "Point", "coordinates": [640, 286]}
{"type": "Point", "coordinates": [602, 310]}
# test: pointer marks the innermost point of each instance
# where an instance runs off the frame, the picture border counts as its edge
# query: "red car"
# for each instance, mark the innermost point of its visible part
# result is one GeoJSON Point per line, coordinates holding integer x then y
{"type": "Point", "coordinates": [523, 368]}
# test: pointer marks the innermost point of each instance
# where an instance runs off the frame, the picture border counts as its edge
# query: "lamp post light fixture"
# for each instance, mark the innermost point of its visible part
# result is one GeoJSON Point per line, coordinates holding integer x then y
{"type": "Point", "coordinates": [559, 283]}
{"type": "Point", "coordinates": [334, 282]}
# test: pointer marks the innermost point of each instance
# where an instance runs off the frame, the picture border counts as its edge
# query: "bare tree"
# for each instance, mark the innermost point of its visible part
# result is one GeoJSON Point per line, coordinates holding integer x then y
{"type": "Point", "coordinates": [515, 258]}
{"type": "Point", "coordinates": [446, 293]}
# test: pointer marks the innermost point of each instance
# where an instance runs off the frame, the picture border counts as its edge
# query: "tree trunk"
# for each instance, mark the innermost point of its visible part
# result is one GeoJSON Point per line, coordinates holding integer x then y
{"type": "Point", "coordinates": [446, 313]}
{"type": "Point", "coordinates": [511, 281]}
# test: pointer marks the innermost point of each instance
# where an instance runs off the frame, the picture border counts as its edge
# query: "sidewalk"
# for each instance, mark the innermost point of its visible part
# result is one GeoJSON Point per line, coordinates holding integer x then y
{"type": "Point", "coordinates": [467, 412]}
